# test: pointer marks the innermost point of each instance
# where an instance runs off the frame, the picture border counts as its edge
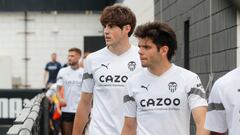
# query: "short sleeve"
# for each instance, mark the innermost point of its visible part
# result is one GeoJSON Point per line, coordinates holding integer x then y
{"type": "Point", "coordinates": [46, 67]}
{"type": "Point", "coordinates": [87, 79]}
{"type": "Point", "coordinates": [52, 90]}
{"type": "Point", "coordinates": [59, 65]}
{"type": "Point", "coordinates": [216, 115]}
{"type": "Point", "coordinates": [130, 105]}
{"type": "Point", "coordinates": [195, 92]}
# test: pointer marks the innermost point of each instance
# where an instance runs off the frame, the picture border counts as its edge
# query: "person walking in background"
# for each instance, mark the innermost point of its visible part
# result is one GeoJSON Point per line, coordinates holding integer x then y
{"type": "Point", "coordinates": [70, 78]}
{"type": "Point", "coordinates": [105, 74]}
{"type": "Point", "coordinates": [160, 99]}
{"type": "Point", "coordinates": [51, 70]}
{"type": "Point", "coordinates": [224, 105]}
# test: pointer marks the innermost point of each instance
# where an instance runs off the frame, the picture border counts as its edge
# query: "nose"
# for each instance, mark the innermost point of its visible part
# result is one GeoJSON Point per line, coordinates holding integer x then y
{"type": "Point", "coordinates": [105, 30]}
{"type": "Point", "coordinates": [140, 51]}
{"type": "Point", "coordinates": [69, 57]}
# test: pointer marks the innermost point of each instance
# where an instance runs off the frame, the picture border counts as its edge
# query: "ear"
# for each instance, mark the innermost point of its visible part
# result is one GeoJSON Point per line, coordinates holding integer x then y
{"type": "Point", "coordinates": [127, 28]}
{"type": "Point", "coordinates": [164, 50]}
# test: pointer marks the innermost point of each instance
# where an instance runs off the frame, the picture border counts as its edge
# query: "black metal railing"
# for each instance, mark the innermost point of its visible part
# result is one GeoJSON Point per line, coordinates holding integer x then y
{"type": "Point", "coordinates": [33, 119]}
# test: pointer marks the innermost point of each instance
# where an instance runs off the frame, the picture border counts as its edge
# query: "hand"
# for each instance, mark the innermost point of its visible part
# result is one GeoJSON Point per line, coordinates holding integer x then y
{"type": "Point", "coordinates": [63, 102]}
{"type": "Point", "coordinates": [50, 99]}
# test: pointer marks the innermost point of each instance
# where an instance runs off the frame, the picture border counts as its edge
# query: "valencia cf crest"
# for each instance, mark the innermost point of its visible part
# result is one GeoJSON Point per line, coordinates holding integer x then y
{"type": "Point", "coordinates": [172, 86]}
{"type": "Point", "coordinates": [132, 65]}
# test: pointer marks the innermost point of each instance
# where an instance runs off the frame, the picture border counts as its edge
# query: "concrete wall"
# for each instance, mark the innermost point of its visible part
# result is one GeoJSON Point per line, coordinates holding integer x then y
{"type": "Point", "coordinates": [5, 72]}
{"type": "Point", "coordinates": [223, 30]}
{"type": "Point", "coordinates": [212, 35]}
{"type": "Point", "coordinates": [144, 12]}
{"type": "Point", "coordinates": [48, 32]}
{"type": "Point", "coordinates": [238, 38]}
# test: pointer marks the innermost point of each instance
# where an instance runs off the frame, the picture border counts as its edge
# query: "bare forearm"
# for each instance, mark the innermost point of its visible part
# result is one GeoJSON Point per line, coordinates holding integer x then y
{"type": "Point", "coordinates": [128, 131]}
{"type": "Point", "coordinates": [58, 93]}
{"type": "Point", "coordinates": [129, 127]}
{"type": "Point", "coordinates": [83, 111]}
{"type": "Point", "coordinates": [80, 121]}
{"type": "Point", "coordinates": [202, 131]}
{"type": "Point", "coordinates": [45, 77]}
{"type": "Point", "coordinates": [199, 115]}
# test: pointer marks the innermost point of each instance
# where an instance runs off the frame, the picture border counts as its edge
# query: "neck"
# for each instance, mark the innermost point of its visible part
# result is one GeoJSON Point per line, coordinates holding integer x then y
{"type": "Point", "coordinates": [120, 48]}
{"type": "Point", "coordinates": [159, 69]}
{"type": "Point", "coordinates": [74, 67]}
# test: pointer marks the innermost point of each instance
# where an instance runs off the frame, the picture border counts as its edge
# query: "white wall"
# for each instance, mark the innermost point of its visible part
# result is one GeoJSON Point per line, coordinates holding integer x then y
{"type": "Point", "coordinates": [50, 32]}
{"type": "Point", "coordinates": [238, 38]}
{"type": "Point", "coordinates": [144, 11]}
{"type": "Point", "coordinates": [53, 32]}
{"type": "Point", "coordinates": [12, 42]}
{"type": "Point", "coordinates": [5, 72]}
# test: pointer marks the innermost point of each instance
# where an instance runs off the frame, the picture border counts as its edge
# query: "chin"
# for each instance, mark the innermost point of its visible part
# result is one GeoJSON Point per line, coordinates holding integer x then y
{"type": "Point", "coordinates": [108, 44]}
{"type": "Point", "coordinates": [144, 65]}
{"type": "Point", "coordinates": [71, 64]}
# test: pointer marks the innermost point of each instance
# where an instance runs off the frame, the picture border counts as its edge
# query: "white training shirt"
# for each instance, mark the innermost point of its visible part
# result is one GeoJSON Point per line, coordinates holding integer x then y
{"type": "Point", "coordinates": [163, 104]}
{"type": "Point", "coordinates": [224, 104]}
{"type": "Point", "coordinates": [105, 75]}
{"type": "Point", "coordinates": [71, 80]}
{"type": "Point", "coordinates": [52, 90]}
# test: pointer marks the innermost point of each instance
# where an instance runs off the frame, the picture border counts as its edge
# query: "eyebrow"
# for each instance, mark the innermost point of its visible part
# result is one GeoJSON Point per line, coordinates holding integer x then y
{"type": "Point", "coordinates": [143, 45]}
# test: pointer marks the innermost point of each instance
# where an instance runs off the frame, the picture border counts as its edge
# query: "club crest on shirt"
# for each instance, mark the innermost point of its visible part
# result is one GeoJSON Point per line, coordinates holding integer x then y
{"type": "Point", "coordinates": [172, 86]}
{"type": "Point", "coordinates": [132, 65]}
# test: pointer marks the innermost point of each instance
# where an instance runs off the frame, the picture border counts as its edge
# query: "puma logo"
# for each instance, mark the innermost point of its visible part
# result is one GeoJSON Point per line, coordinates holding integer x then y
{"type": "Point", "coordinates": [106, 66]}
{"type": "Point", "coordinates": [145, 87]}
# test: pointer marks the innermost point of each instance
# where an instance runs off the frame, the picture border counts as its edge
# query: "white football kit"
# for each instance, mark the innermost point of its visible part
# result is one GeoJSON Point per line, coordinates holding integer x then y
{"type": "Point", "coordinates": [105, 75]}
{"type": "Point", "coordinates": [163, 104]}
{"type": "Point", "coordinates": [71, 80]}
{"type": "Point", "coordinates": [224, 104]}
{"type": "Point", "coordinates": [52, 90]}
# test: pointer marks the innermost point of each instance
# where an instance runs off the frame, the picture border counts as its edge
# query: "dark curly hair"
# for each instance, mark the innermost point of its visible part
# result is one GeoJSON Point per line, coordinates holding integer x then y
{"type": "Point", "coordinates": [161, 34]}
{"type": "Point", "coordinates": [119, 16]}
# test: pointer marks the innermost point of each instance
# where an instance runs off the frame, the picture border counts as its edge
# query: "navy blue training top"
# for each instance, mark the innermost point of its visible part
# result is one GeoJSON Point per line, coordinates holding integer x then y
{"type": "Point", "coordinates": [52, 68]}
